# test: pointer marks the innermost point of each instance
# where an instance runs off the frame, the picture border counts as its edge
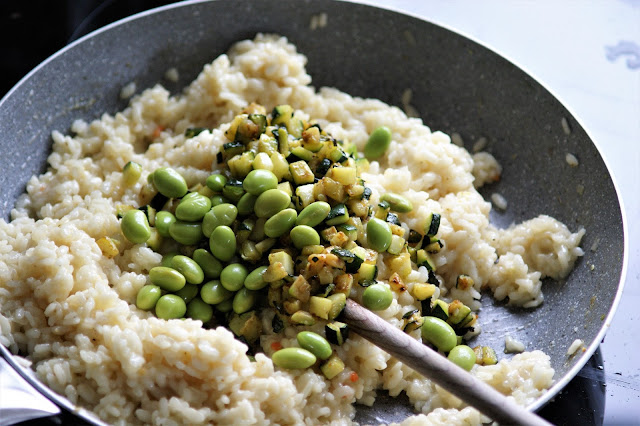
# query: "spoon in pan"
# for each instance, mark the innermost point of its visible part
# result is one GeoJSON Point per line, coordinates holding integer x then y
{"type": "Point", "coordinates": [437, 368]}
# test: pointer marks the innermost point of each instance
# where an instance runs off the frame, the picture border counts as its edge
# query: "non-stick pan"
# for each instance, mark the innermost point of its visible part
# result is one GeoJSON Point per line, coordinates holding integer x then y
{"type": "Point", "coordinates": [457, 86]}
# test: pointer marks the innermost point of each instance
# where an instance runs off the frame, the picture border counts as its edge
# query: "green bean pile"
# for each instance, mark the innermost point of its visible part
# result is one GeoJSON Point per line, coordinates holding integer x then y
{"type": "Point", "coordinates": [286, 223]}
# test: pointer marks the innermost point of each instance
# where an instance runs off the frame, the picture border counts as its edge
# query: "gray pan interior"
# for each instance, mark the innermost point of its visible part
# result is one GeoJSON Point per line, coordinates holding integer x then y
{"type": "Point", "coordinates": [458, 86]}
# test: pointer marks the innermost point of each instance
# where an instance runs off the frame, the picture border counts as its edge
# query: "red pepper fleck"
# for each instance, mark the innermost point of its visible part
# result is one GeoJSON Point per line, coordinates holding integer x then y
{"type": "Point", "coordinates": [353, 376]}
{"type": "Point", "coordinates": [276, 346]}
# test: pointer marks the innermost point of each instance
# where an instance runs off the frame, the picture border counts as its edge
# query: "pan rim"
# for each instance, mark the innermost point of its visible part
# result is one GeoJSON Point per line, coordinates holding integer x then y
{"type": "Point", "coordinates": [556, 386]}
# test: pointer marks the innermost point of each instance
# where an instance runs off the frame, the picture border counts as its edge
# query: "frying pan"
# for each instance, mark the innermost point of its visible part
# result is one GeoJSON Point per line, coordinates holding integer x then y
{"type": "Point", "coordinates": [458, 86]}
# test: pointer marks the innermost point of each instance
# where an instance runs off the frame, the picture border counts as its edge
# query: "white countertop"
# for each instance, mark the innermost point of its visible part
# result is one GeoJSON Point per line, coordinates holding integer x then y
{"type": "Point", "coordinates": [566, 45]}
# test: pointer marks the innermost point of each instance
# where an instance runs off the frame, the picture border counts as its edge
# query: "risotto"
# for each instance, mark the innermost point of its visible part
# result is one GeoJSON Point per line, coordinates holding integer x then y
{"type": "Point", "coordinates": [69, 279]}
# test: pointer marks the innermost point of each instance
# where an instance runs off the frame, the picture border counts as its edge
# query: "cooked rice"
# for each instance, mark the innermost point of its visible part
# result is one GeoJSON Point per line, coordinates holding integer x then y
{"type": "Point", "coordinates": [71, 311]}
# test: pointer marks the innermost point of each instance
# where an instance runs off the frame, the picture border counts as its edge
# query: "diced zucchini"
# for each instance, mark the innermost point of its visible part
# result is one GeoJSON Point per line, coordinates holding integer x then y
{"type": "Point", "coordinates": [414, 238]}
{"type": "Point", "coordinates": [362, 165]}
{"type": "Point", "coordinates": [262, 161]}
{"type": "Point", "coordinates": [485, 355]}
{"type": "Point", "coordinates": [281, 114]}
{"type": "Point", "coordinates": [344, 175]}
{"type": "Point", "coordinates": [350, 231]}
{"type": "Point", "coordinates": [303, 318]}
{"type": "Point", "coordinates": [247, 325]}
{"type": "Point", "coordinates": [338, 215]}
{"type": "Point", "coordinates": [194, 131]}
{"type": "Point", "coordinates": [351, 260]}
{"type": "Point", "coordinates": [397, 245]}
{"type": "Point", "coordinates": [367, 272]}
{"type": "Point", "coordinates": [337, 155]}
{"type": "Point", "coordinates": [333, 189]}
{"type": "Point", "coordinates": [432, 225]}
{"type": "Point", "coordinates": [423, 259]}
{"type": "Point", "coordinates": [366, 193]}
{"type": "Point", "coordinates": [422, 291]}
{"type": "Point", "coordinates": [382, 210]}
{"type": "Point", "coordinates": [233, 190]}
{"type": "Point", "coordinates": [393, 219]}
{"type": "Point", "coordinates": [322, 168]}
{"type": "Point", "coordinates": [277, 324]}
{"type": "Point", "coordinates": [305, 196]}
{"type": "Point", "coordinates": [464, 282]}
{"type": "Point", "coordinates": [302, 154]}
{"type": "Point", "coordinates": [332, 367]}
{"type": "Point", "coordinates": [311, 139]}
{"type": "Point", "coordinates": [286, 187]}
{"type": "Point", "coordinates": [338, 302]}
{"type": "Point", "coordinates": [280, 166]}
{"type": "Point", "coordinates": [413, 323]}
{"type": "Point", "coordinates": [434, 247]}
{"type": "Point", "coordinates": [336, 332]}
{"type": "Point", "coordinates": [283, 258]}
{"type": "Point", "coordinates": [300, 289]}
{"type": "Point", "coordinates": [440, 309]}
{"type": "Point", "coordinates": [301, 173]}
{"type": "Point", "coordinates": [282, 137]}
{"type": "Point", "coordinates": [241, 165]}
{"type": "Point", "coordinates": [292, 306]}
{"type": "Point", "coordinates": [320, 306]}
{"type": "Point", "coordinates": [458, 311]}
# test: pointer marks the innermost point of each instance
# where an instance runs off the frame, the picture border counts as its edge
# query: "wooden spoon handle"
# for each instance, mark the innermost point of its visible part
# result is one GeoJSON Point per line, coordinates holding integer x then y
{"type": "Point", "coordinates": [439, 369]}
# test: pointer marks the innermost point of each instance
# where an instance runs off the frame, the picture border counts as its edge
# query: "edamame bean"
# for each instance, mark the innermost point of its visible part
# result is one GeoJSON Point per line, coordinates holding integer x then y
{"type": "Point", "coordinates": [193, 208]}
{"type": "Point", "coordinates": [378, 234]}
{"type": "Point", "coordinates": [244, 300]}
{"type": "Point", "coordinates": [209, 264]}
{"type": "Point", "coordinates": [199, 310]}
{"type": "Point", "coordinates": [222, 214]}
{"type": "Point", "coordinates": [135, 226]}
{"type": "Point", "coordinates": [254, 280]}
{"type": "Point", "coordinates": [188, 292]}
{"type": "Point", "coordinates": [246, 204]}
{"type": "Point", "coordinates": [377, 297]}
{"type": "Point", "coordinates": [213, 293]}
{"type": "Point", "coordinates": [438, 333]}
{"type": "Point", "coordinates": [219, 199]}
{"type": "Point", "coordinates": [170, 306]}
{"type": "Point", "coordinates": [148, 296]}
{"type": "Point", "coordinates": [293, 358]}
{"type": "Point", "coordinates": [167, 278]}
{"type": "Point", "coordinates": [216, 182]}
{"type": "Point", "coordinates": [313, 214]}
{"type": "Point", "coordinates": [188, 267]}
{"type": "Point", "coordinates": [280, 223]}
{"type": "Point", "coordinates": [169, 182]}
{"type": "Point", "coordinates": [303, 235]}
{"type": "Point", "coordinates": [463, 356]}
{"type": "Point", "coordinates": [397, 202]}
{"type": "Point", "coordinates": [271, 202]}
{"type": "Point", "coordinates": [258, 181]}
{"type": "Point", "coordinates": [163, 222]}
{"type": "Point", "coordinates": [314, 343]}
{"type": "Point", "coordinates": [131, 173]}
{"type": "Point", "coordinates": [226, 306]}
{"type": "Point", "coordinates": [378, 143]}
{"type": "Point", "coordinates": [186, 233]}
{"type": "Point", "coordinates": [232, 276]}
{"type": "Point", "coordinates": [223, 243]}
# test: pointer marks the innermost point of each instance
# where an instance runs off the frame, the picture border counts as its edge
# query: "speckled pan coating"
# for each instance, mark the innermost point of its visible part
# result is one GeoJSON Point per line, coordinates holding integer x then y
{"type": "Point", "coordinates": [458, 86]}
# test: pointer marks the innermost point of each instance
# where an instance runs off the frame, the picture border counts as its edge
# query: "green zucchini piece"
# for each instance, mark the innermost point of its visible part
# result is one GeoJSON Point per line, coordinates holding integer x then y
{"type": "Point", "coordinates": [194, 131]}
{"type": "Point", "coordinates": [432, 225]}
{"type": "Point", "coordinates": [276, 324]}
{"type": "Point", "coordinates": [303, 318]}
{"type": "Point", "coordinates": [440, 309]}
{"type": "Point", "coordinates": [336, 332]}
{"type": "Point", "coordinates": [351, 260]}
{"type": "Point", "coordinates": [323, 168]}
{"type": "Point", "coordinates": [423, 259]}
{"type": "Point", "coordinates": [338, 215]}
{"type": "Point", "coordinates": [320, 306]}
{"type": "Point", "coordinates": [393, 219]}
{"type": "Point", "coordinates": [367, 272]}
{"type": "Point", "coordinates": [332, 367]}
{"type": "Point", "coordinates": [338, 303]}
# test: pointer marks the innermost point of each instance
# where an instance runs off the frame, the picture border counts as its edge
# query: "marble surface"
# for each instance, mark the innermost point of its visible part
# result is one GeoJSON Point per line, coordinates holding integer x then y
{"type": "Point", "coordinates": [588, 54]}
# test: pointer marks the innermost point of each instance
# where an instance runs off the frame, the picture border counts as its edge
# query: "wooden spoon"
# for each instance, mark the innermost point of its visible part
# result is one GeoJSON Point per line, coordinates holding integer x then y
{"type": "Point", "coordinates": [436, 367]}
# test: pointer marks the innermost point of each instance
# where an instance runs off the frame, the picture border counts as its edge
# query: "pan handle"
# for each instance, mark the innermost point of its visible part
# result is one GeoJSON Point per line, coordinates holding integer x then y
{"type": "Point", "coordinates": [19, 401]}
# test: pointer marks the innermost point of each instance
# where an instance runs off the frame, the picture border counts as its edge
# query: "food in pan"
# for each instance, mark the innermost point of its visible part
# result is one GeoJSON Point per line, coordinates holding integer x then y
{"type": "Point", "coordinates": [185, 261]}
